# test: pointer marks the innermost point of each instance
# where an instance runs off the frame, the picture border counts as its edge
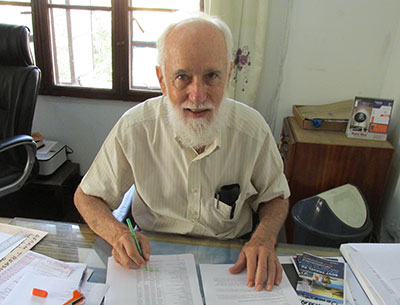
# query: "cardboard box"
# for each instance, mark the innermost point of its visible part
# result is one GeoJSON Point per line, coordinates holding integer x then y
{"type": "Point", "coordinates": [329, 117]}
{"type": "Point", "coordinates": [370, 118]}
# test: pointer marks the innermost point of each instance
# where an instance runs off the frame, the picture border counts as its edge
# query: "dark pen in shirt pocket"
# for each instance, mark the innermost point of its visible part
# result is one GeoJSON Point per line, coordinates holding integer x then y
{"type": "Point", "coordinates": [228, 194]}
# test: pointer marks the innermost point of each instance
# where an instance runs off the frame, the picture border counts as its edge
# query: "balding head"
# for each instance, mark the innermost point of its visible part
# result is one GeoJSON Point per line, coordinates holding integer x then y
{"type": "Point", "coordinates": [199, 22]}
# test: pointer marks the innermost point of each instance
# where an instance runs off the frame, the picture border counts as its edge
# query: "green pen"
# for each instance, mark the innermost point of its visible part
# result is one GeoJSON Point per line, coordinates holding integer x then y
{"type": "Point", "coordinates": [128, 221]}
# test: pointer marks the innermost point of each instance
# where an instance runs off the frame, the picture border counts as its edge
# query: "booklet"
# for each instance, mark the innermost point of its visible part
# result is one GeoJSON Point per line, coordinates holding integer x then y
{"type": "Point", "coordinates": [322, 280]}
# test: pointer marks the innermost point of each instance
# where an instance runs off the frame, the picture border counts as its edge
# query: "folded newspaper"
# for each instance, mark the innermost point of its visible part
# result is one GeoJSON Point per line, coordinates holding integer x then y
{"type": "Point", "coordinates": [321, 280]}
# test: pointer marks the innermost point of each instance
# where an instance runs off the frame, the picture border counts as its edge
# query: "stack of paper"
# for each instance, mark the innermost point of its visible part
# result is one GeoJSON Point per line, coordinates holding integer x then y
{"type": "Point", "coordinates": [172, 279]}
{"type": "Point", "coordinates": [58, 279]}
{"type": "Point", "coordinates": [376, 268]}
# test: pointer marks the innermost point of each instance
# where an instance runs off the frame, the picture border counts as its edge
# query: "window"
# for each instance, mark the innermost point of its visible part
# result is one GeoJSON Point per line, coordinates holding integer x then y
{"type": "Point", "coordinates": [96, 48]}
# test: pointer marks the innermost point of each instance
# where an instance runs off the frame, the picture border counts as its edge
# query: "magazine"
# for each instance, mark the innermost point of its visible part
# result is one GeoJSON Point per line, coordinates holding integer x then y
{"type": "Point", "coordinates": [322, 280]}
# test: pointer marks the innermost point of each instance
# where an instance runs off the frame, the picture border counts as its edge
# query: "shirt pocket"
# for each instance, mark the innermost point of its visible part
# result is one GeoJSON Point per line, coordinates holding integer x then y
{"type": "Point", "coordinates": [219, 219]}
{"type": "Point", "coordinates": [222, 209]}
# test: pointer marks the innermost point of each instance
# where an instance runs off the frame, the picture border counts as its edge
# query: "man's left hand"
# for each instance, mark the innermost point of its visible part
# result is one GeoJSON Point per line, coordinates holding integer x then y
{"type": "Point", "coordinates": [258, 256]}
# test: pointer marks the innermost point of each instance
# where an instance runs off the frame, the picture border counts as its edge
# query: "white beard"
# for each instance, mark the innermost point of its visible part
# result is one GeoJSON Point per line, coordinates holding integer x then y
{"type": "Point", "coordinates": [193, 132]}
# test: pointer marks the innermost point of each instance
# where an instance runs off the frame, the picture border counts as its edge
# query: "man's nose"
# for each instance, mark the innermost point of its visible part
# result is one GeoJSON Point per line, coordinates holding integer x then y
{"type": "Point", "coordinates": [197, 91]}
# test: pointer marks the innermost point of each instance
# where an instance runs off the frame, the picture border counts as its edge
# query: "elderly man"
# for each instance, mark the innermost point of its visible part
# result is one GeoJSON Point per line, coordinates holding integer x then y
{"type": "Point", "coordinates": [201, 163]}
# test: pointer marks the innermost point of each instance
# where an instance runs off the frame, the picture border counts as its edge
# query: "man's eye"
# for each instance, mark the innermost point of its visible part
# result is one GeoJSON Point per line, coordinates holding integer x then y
{"type": "Point", "coordinates": [213, 78]}
{"type": "Point", "coordinates": [181, 81]}
{"type": "Point", "coordinates": [212, 75]}
{"type": "Point", "coordinates": [182, 77]}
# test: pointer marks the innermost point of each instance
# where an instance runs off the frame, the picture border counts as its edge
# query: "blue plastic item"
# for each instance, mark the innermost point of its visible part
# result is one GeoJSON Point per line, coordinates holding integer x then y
{"type": "Point", "coordinates": [316, 224]}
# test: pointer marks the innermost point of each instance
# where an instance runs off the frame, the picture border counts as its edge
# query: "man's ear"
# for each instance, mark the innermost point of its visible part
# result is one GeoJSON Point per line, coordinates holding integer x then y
{"type": "Point", "coordinates": [161, 80]}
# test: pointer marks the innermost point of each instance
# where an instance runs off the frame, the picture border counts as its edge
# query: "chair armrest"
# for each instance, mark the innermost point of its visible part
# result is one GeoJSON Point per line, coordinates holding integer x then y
{"type": "Point", "coordinates": [30, 147]}
{"type": "Point", "coordinates": [17, 141]}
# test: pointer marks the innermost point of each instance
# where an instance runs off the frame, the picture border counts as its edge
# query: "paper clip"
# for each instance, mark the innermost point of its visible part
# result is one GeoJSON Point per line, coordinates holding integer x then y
{"type": "Point", "coordinates": [77, 298]}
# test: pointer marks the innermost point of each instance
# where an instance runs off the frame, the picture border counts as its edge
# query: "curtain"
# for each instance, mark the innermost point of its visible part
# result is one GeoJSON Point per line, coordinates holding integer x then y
{"type": "Point", "coordinates": [247, 20]}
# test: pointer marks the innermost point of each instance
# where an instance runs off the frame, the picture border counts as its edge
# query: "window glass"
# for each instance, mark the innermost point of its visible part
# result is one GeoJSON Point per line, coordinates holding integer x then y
{"type": "Point", "coordinates": [144, 61]}
{"type": "Point", "coordinates": [189, 5]}
{"type": "Point", "coordinates": [144, 28]}
{"type": "Point", "coordinates": [19, 1]}
{"type": "Point", "coordinates": [81, 43]}
{"type": "Point", "coordinates": [76, 44]}
{"type": "Point", "coordinates": [144, 34]}
{"type": "Point", "coordinates": [106, 3]}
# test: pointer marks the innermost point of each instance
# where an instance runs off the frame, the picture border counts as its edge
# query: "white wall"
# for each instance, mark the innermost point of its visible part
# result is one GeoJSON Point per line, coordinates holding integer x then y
{"type": "Point", "coordinates": [336, 50]}
{"type": "Point", "coordinates": [81, 124]}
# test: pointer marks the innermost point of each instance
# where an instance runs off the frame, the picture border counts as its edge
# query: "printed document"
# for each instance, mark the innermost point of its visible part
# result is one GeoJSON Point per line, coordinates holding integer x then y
{"type": "Point", "coordinates": [222, 288]}
{"type": "Point", "coordinates": [34, 263]}
{"type": "Point", "coordinates": [376, 268]}
{"type": "Point", "coordinates": [9, 242]}
{"type": "Point", "coordinates": [170, 279]}
{"type": "Point", "coordinates": [59, 291]}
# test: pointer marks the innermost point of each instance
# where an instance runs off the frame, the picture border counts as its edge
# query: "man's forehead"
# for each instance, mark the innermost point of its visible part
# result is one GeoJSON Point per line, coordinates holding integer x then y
{"type": "Point", "coordinates": [194, 27]}
{"type": "Point", "coordinates": [196, 43]}
{"type": "Point", "coordinates": [196, 31]}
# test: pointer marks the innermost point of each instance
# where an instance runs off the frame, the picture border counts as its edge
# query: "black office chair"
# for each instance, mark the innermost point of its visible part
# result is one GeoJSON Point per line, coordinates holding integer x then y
{"type": "Point", "coordinates": [19, 85]}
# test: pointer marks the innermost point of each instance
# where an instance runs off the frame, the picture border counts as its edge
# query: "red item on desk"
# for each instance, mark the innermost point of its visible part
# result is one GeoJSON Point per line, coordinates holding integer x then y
{"type": "Point", "coordinates": [39, 292]}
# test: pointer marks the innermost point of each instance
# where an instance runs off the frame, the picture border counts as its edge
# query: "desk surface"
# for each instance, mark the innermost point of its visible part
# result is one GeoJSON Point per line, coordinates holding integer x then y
{"type": "Point", "coordinates": [73, 242]}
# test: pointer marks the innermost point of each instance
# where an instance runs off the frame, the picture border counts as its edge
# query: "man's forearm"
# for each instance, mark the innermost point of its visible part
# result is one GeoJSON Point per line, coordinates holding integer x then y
{"type": "Point", "coordinates": [272, 216]}
{"type": "Point", "coordinates": [98, 216]}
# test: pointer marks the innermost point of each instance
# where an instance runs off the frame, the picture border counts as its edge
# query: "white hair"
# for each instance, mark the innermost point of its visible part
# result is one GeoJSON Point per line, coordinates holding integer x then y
{"type": "Point", "coordinates": [198, 18]}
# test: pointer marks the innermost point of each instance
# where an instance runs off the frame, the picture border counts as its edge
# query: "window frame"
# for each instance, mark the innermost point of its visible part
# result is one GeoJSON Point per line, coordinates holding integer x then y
{"type": "Point", "coordinates": [120, 12]}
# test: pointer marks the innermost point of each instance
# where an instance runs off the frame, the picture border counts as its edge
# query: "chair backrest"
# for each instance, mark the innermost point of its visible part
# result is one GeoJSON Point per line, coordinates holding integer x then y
{"type": "Point", "coordinates": [19, 84]}
{"type": "Point", "coordinates": [19, 81]}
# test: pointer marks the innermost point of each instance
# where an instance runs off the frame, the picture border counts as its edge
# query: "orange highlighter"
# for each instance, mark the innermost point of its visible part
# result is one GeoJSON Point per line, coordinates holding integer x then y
{"type": "Point", "coordinates": [77, 298]}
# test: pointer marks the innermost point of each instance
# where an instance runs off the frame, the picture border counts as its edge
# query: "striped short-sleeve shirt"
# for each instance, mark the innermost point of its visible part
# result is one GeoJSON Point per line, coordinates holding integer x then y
{"type": "Point", "coordinates": [175, 186]}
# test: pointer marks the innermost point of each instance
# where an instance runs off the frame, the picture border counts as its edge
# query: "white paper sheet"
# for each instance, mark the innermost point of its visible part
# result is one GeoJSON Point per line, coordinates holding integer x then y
{"type": "Point", "coordinates": [59, 291]}
{"type": "Point", "coordinates": [222, 288]}
{"type": "Point", "coordinates": [170, 279]}
{"type": "Point", "coordinates": [376, 268]}
{"type": "Point", "coordinates": [355, 295]}
{"type": "Point", "coordinates": [285, 259]}
{"type": "Point", "coordinates": [31, 262]}
{"type": "Point", "coordinates": [4, 237]}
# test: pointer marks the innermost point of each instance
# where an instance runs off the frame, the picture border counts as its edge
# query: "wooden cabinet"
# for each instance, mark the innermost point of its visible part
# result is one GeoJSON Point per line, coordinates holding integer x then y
{"type": "Point", "coordinates": [316, 161]}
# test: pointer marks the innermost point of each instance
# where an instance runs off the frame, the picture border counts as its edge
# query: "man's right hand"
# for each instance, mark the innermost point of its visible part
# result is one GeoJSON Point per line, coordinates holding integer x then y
{"type": "Point", "coordinates": [126, 253]}
{"type": "Point", "coordinates": [100, 219]}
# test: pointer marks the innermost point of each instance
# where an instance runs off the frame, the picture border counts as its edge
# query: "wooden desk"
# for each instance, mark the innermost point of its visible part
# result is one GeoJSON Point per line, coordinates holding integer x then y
{"type": "Point", "coordinates": [73, 242]}
{"type": "Point", "coordinates": [317, 161]}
